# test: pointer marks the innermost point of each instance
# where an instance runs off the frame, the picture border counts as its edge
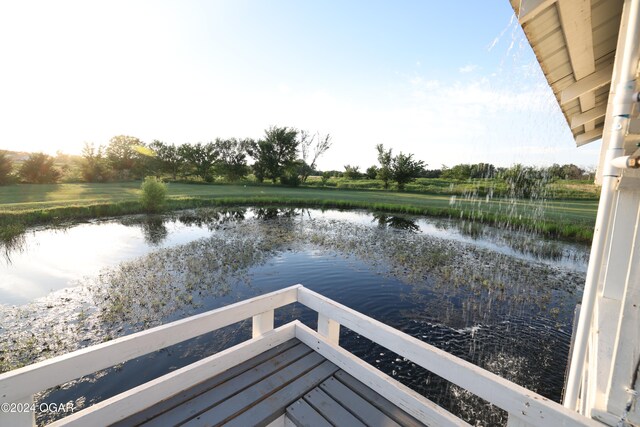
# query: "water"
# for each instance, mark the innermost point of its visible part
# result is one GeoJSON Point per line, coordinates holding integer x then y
{"type": "Point", "coordinates": [501, 300]}
{"type": "Point", "coordinates": [51, 260]}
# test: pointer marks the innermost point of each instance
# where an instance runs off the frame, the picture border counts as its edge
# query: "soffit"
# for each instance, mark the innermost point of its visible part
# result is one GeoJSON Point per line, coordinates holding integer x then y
{"type": "Point", "coordinates": [575, 44]}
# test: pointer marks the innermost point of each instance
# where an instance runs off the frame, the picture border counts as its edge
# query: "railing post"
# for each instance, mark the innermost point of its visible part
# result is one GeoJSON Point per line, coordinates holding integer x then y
{"type": "Point", "coordinates": [20, 413]}
{"type": "Point", "coordinates": [329, 328]}
{"type": "Point", "coordinates": [262, 323]}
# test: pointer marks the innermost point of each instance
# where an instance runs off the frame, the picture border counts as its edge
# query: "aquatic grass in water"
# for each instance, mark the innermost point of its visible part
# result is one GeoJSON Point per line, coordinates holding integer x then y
{"type": "Point", "coordinates": [169, 282]}
{"type": "Point", "coordinates": [150, 290]}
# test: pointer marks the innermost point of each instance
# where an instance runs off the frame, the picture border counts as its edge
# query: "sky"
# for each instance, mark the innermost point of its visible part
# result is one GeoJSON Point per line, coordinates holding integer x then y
{"type": "Point", "coordinates": [451, 82]}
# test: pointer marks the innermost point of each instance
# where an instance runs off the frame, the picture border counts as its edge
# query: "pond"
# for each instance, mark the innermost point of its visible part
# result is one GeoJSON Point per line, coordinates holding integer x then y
{"type": "Point", "coordinates": [500, 299]}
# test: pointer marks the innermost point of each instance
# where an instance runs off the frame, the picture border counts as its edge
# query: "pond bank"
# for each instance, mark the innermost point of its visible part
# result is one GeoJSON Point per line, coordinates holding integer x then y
{"type": "Point", "coordinates": [568, 220]}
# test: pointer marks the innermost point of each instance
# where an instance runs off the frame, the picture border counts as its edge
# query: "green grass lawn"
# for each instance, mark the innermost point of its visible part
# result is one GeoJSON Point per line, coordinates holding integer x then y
{"type": "Point", "coordinates": [52, 201]}
{"type": "Point", "coordinates": [557, 189]}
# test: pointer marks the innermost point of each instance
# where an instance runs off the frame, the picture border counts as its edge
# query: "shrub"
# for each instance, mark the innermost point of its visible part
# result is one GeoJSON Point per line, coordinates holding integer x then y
{"type": "Point", "coordinates": [325, 177]}
{"type": "Point", "coordinates": [290, 178]}
{"type": "Point", "coordinates": [154, 193]}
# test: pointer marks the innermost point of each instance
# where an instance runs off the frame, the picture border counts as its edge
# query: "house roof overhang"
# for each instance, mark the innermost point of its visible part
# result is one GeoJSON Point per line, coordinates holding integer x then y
{"type": "Point", "coordinates": [575, 42]}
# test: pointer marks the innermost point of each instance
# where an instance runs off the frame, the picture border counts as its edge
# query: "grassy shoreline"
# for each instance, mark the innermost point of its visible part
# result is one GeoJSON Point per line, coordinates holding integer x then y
{"type": "Point", "coordinates": [27, 206]}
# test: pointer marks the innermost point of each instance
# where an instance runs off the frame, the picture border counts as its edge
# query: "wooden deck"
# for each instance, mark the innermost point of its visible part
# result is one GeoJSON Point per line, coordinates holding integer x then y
{"type": "Point", "coordinates": [289, 379]}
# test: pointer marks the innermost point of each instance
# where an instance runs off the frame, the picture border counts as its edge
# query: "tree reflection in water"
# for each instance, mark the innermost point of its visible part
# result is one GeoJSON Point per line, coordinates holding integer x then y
{"type": "Point", "coordinates": [397, 222]}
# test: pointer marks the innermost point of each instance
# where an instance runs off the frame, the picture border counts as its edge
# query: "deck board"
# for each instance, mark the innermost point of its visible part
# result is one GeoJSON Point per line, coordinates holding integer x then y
{"type": "Point", "coordinates": [208, 384]}
{"type": "Point", "coordinates": [271, 407]}
{"type": "Point", "coordinates": [358, 406]}
{"type": "Point", "coordinates": [288, 379]}
{"type": "Point", "coordinates": [391, 410]}
{"type": "Point", "coordinates": [304, 415]}
{"type": "Point", "coordinates": [233, 390]}
{"type": "Point", "coordinates": [330, 409]}
{"type": "Point", "coordinates": [248, 397]}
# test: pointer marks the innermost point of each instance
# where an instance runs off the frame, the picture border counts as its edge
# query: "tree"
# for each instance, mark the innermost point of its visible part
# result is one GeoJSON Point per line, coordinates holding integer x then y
{"type": "Point", "coordinates": [589, 173]}
{"type": "Point", "coordinates": [555, 171]}
{"type": "Point", "coordinates": [470, 171]}
{"type": "Point", "coordinates": [371, 172]}
{"type": "Point", "coordinates": [38, 168]}
{"type": "Point", "coordinates": [232, 161]}
{"type": "Point", "coordinates": [431, 173]}
{"type": "Point", "coordinates": [322, 144]}
{"type": "Point", "coordinates": [167, 157]}
{"type": "Point", "coordinates": [124, 156]}
{"type": "Point", "coordinates": [6, 166]}
{"type": "Point", "coordinates": [351, 172]}
{"type": "Point", "coordinates": [567, 171]}
{"type": "Point", "coordinates": [94, 165]}
{"type": "Point", "coordinates": [458, 172]}
{"type": "Point", "coordinates": [405, 169]}
{"type": "Point", "coordinates": [201, 157]}
{"type": "Point", "coordinates": [275, 153]}
{"type": "Point", "coordinates": [384, 158]}
{"type": "Point", "coordinates": [483, 170]}
{"type": "Point", "coordinates": [572, 171]}
{"type": "Point", "coordinates": [303, 169]}
{"type": "Point", "coordinates": [525, 181]}
{"type": "Point", "coordinates": [259, 171]}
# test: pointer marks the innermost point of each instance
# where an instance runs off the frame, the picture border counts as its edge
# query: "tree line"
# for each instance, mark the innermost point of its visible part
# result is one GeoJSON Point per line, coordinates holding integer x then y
{"type": "Point", "coordinates": [520, 181]}
{"type": "Point", "coordinates": [405, 167]}
{"type": "Point", "coordinates": [284, 153]}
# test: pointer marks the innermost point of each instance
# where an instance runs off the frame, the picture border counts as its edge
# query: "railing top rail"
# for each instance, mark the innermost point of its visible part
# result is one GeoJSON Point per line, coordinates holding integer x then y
{"type": "Point", "coordinates": [527, 405]}
{"type": "Point", "coordinates": [34, 378]}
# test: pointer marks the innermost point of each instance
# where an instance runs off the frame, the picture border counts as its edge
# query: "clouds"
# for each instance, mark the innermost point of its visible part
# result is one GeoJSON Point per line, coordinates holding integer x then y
{"type": "Point", "coordinates": [482, 119]}
{"type": "Point", "coordinates": [484, 93]}
{"type": "Point", "coordinates": [468, 68]}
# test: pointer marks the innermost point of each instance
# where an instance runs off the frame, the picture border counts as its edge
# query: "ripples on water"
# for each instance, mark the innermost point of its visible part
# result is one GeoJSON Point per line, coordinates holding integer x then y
{"type": "Point", "coordinates": [503, 301]}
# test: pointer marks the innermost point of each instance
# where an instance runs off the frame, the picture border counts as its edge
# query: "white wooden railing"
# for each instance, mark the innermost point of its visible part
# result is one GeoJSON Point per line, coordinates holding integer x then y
{"type": "Point", "coordinates": [20, 385]}
{"type": "Point", "coordinates": [525, 408]}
